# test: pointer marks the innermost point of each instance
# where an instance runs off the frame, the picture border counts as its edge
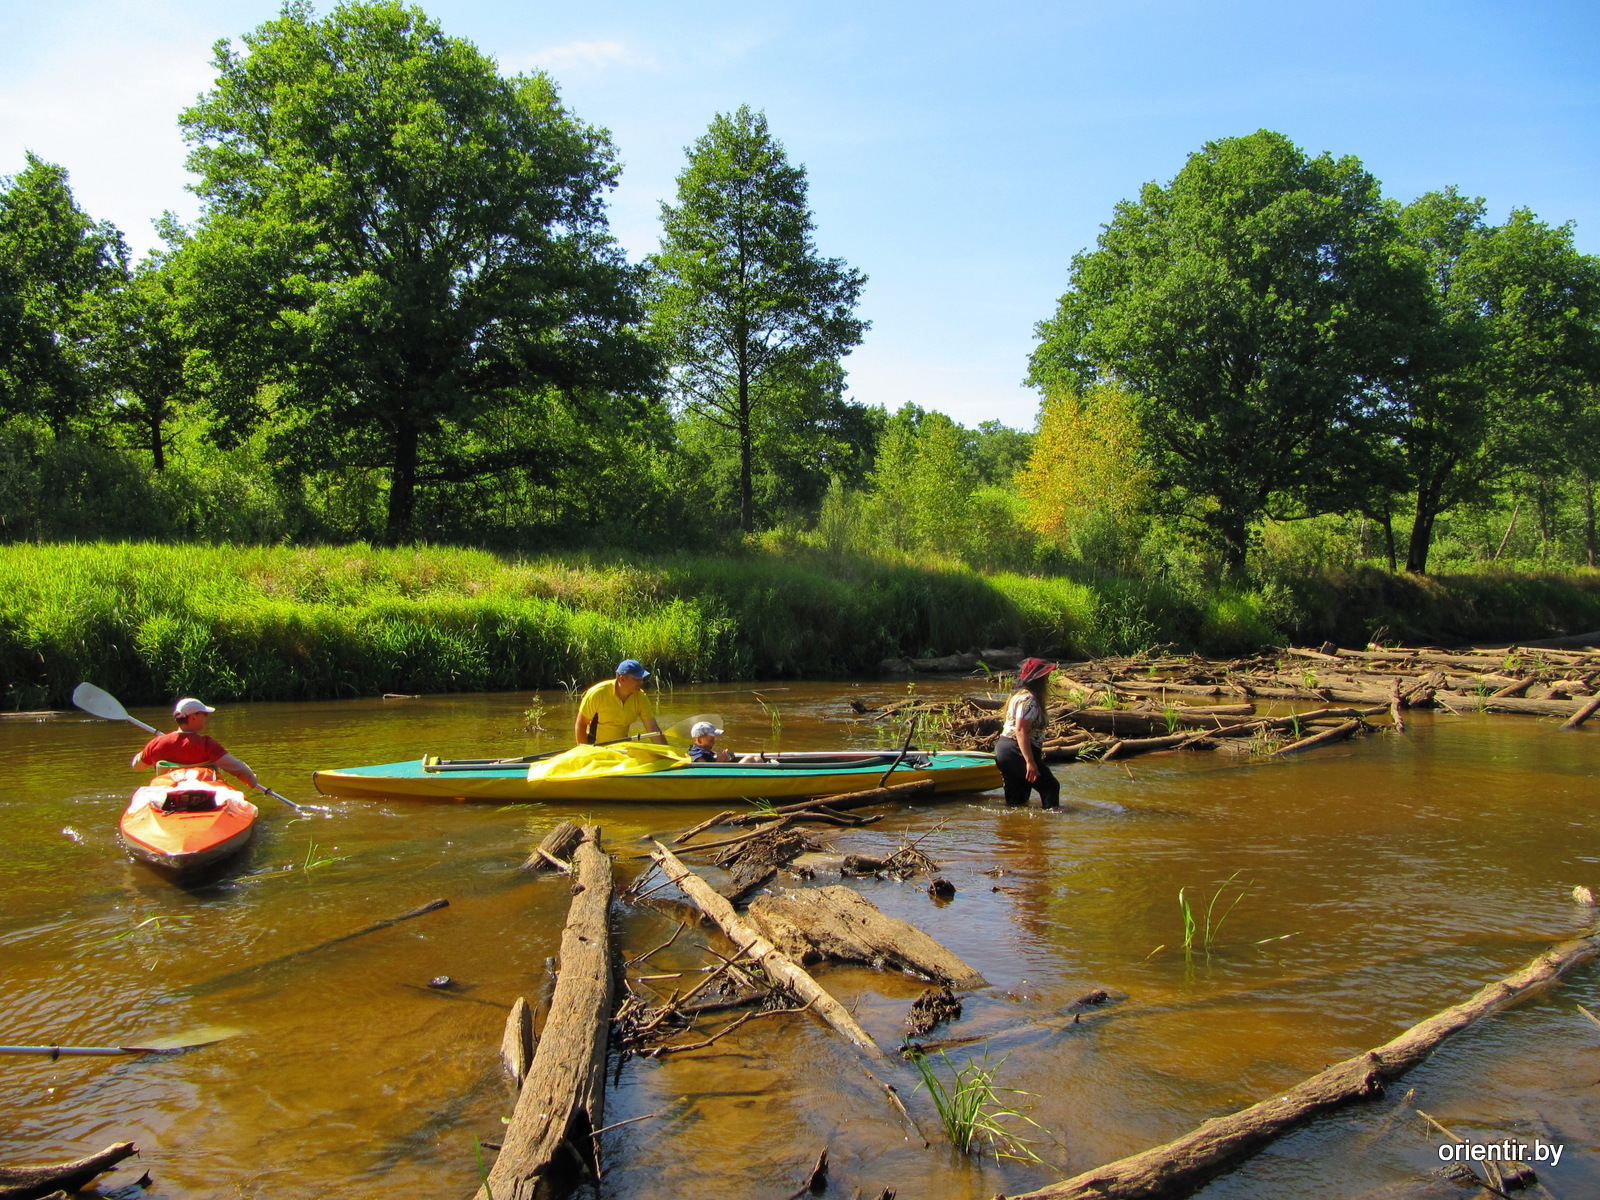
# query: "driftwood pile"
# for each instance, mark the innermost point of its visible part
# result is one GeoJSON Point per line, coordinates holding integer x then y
{"type": "Point", "coordinates": [1120, 707]}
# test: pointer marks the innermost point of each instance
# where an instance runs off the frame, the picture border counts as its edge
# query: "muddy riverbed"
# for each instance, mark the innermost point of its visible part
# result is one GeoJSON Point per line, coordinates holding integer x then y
{"type": "Point", "coordinates": [1387, 878]}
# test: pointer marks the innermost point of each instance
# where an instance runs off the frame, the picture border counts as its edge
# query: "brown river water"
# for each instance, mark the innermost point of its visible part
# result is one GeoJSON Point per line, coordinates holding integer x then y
{"type": "Point", "coordinates": [1388, 878]}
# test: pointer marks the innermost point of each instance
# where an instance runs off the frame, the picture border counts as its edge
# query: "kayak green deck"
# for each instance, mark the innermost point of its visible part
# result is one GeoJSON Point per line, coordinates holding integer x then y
{"type": "Point", "coordinates": [789, 778]}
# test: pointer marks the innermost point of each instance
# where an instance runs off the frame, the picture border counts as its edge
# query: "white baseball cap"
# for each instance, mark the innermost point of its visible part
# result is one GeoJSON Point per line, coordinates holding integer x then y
{"type": "Point", "coordinates": [189, 706]}
{"type": "Point", "coordinates": [704, 729]}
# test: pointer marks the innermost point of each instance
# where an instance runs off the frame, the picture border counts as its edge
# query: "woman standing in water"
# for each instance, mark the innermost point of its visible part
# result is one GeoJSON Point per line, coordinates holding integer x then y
{"type": "Point", "coordinates": [1019, 753]}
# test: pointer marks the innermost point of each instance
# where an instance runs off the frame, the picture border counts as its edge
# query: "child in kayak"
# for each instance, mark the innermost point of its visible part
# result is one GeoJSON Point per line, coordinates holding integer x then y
{"type": "Point", "coordinates": [188, 745]}
{"type": "Point", "coordinates": [703, 737]}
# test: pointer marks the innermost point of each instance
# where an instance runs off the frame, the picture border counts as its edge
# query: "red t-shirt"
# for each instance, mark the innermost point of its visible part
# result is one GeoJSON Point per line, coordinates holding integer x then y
{"type": "Point", "coordinates": [181, 746]}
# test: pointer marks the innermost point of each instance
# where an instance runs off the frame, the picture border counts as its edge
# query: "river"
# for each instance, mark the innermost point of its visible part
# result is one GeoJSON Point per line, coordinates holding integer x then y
{"type": "Point", "coordinates": [1386, 878]}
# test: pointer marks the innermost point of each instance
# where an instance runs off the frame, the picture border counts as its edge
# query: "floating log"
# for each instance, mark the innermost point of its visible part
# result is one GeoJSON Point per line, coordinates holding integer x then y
{"type": "Point", "coordinates": [1337, 734]}
{"type": "Point", "coordinates": [813, 924]}
{"type": "Point", "coordinates": [1535, 708]}
{"type": "Point", "coordinates": [778, 966]}
{"type": "Point", "coordinates": [563, 1093]}
{"type": "Point", "coordinates": [1180, 1166]}
{"type": "Point", "coordinates": [31, 1183]}
{"type": "Point", "coordinates": [222, 982]}
{"type": "Point", "coordinates": [1583, 714]}
{"type": "Point", "coordinates": [555, 849]}
{"type": "Point", "coordinates": [516, 1045]}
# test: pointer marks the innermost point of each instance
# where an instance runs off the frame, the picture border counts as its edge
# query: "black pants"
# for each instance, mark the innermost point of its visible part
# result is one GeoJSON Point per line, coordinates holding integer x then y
{"type": "Point", "coordinates": [1014, 770]}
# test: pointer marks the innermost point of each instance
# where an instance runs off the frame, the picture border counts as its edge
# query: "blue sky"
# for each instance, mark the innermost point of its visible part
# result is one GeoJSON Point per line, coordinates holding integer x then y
{"type": "Point", "coordinates": [960, 154]}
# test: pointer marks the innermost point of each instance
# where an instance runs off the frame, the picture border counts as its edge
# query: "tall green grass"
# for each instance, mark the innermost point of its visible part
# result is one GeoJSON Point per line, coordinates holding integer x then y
{"type": "Point", "coordinates": [148, 621]}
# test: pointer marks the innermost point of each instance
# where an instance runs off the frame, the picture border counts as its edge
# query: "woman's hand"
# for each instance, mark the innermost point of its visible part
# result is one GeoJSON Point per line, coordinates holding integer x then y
{"type": "Point", "coordinates": [1033, 771]}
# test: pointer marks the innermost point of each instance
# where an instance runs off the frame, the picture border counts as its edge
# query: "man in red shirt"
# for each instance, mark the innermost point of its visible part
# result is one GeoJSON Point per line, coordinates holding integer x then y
{"type": "Point", "coordinates": [189, 746]}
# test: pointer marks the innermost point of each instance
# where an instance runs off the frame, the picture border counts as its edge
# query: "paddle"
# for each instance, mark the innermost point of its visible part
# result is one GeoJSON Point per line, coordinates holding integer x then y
{"type": "Point", "coordinates": [911, 732]}
{"type": "Point", "coordinates": [164, 1046]}
{"type": "Point", "coordinates": [107, 707]}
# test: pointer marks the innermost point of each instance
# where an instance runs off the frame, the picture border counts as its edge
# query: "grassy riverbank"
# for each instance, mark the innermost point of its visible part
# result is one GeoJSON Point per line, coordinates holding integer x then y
{"type": "Point", "coordinates": [151, 621]}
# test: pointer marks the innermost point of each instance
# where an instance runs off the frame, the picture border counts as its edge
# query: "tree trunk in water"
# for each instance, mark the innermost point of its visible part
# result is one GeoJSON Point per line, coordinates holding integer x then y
{"type": "Point", "coordinates": [402, 485]}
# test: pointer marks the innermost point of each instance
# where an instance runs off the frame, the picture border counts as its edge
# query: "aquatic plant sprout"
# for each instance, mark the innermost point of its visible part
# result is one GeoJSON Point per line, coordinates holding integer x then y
{"type": "Point", "coordinates": [1204, 927]}
{"type": "Point", "coordinates": [971, 1110]}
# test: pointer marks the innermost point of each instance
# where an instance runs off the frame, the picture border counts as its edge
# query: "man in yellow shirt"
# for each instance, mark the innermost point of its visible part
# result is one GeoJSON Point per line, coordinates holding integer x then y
{"type": "Point", "coordinates": [611, 707]}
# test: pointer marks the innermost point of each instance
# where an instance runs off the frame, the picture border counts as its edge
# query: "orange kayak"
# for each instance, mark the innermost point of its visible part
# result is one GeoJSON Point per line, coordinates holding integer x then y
{"type": "Point", "coordinates": [185, 819]}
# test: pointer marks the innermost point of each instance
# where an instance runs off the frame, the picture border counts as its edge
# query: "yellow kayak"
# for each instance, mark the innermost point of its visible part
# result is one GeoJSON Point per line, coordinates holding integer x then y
{"type": "Point", "coordinates": [645, 772]}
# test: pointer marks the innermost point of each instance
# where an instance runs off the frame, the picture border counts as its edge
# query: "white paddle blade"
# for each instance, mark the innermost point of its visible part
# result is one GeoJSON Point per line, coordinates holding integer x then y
{"type": "Point", "coordinates": [679, 732]}
{"type": "Point", "coordinates": [104, 705]}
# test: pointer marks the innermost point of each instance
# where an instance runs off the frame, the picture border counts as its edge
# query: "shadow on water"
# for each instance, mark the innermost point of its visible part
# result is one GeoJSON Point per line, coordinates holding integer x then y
{"type": "Point", "coordinates": [1386, 879]}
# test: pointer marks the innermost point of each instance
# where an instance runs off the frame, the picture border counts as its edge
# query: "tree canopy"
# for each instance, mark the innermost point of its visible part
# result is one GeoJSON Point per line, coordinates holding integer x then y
{"type": "Point", "coordinates": [54, 259]}
{"type": "Point", "coordinates": [1251, 305]}
{"type": "Point", "coordinates": [744, 308]}
{"type": "Point", "coordinates": [398, 240]}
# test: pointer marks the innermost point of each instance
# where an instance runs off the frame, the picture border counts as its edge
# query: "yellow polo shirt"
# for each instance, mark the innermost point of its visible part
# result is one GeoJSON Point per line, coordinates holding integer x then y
{"type": "Point", "coordinates": [616, 716]}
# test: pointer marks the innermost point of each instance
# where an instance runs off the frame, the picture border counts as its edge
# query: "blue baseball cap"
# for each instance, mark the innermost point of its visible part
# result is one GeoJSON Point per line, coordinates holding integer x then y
{"type": "Point", "coordinates": [632, 666]}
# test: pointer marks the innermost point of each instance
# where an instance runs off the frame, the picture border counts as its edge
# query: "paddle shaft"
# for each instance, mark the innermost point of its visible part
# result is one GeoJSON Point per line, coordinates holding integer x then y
{"type": "Point", "coordinates": [83, 1051]}
{"type": "Point", "coordinates": [107, 707]}
{"type": "Point", "coordinates": [904, 747]}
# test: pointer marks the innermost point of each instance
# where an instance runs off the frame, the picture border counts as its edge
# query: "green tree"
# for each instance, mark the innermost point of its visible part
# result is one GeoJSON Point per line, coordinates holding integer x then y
{"type": "Point", "coordinates": [145, 348]}
{"type": "Point", "coordinates": [741, 304]}
{"type": "Point", "coordinates": [399, 242]}
{"type": "Point", "coordinates": [54, 259]}
{"type": "Point", "coordinates": [1540, 300]}
{"type": "Point", "coordinates": [1251, 305]}
{"type": "Point", "coordinates": [1436, 411]}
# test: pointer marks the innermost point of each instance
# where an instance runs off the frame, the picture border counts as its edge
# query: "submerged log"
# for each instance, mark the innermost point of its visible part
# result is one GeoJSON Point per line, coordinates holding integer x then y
{"type": "Point", "coordinates": [222, 982]}
{"type": "Point", "coordinates": [1583, 714]}
{"type": "Point", "coordinates": [1181, 1166]}
{"type": "Point", "coordinates": [813, 924]}
{"type": "Point", "coordinates": [30, 1183]}
{"type": "Point", "coordinates": [778, 966]}
{"type": "Point", "coordinates": [1337, 734]}
{"type": "Point", "coordinates": [516, 1044]}
{"type": "Point", "coordinates": [558, 845]}
{"type": "Point", "coordinates": [561, 1103]}
{"type": "Point", "coordinates": [892, 794]}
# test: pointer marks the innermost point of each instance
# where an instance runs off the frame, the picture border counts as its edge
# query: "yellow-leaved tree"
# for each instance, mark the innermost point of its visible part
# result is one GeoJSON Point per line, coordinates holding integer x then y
{"type": "Point", "coordinates": [1086, 486]}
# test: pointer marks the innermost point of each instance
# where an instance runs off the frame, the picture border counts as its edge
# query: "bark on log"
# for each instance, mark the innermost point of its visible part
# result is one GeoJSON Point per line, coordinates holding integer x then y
{"type": "Point", "coordinates": [1181, 1166]}
{"type": "Point", "coordinates": [1129, 747]}
{"type": "Point", "coordinates": [30, 1183]}
{"type": "Point", "coordinates": [1337, 734]}
{"type": "Point", "coordinates": [516, 1044]}
{"type": "Point", "coordinates": [1535, 708]}
{"type": "Point", "coordinates": [1583, 714]}
{"type": "Point", "coordinates": [777, 965]}
{"type": "Point", "coordinates": [558, 843]}
{"type": "Point", "coordinates": [1514, 689]}
{"type": "Point", "coordinates": [562, 1098]}
{"type": "Point", "coordinates": [812, 924]}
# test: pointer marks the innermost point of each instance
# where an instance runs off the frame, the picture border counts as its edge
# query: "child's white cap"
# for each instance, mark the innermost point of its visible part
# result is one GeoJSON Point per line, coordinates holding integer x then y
{"type": "Point", "coordinates": [704, 729]}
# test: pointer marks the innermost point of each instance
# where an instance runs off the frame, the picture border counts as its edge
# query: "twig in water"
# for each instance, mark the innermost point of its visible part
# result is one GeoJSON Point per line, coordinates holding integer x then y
{"type": "Point", "coordinates": [633, 962]}
{"type": "Point", "coordinates": [619, 1124]}
{"type": "Point", "coordinates": [728, 1028]}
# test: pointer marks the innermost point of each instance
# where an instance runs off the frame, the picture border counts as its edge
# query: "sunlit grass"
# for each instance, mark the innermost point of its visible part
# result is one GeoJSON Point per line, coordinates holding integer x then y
{"type": "Point", "coordinates": [971, 1107]}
